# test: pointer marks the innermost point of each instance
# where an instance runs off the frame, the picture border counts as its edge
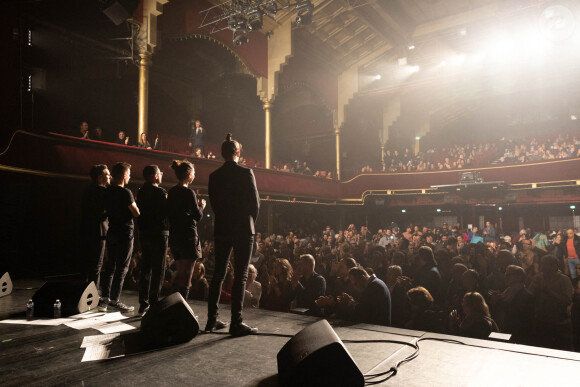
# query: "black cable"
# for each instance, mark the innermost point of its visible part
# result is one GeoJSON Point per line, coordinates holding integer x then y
{"type": "Point", "coordinates": [386, 375]}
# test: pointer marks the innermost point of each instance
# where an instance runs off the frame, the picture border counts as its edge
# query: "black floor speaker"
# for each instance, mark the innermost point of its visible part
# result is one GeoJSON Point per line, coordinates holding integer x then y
{"type": "Point", "coordinates": [75, 297]}
{"type": "Point", "coordinates": [317, 357]}
{"type": "Point", "coordinates": [170, 321]}
{"type": "Point", "coordinates": [5, 285]}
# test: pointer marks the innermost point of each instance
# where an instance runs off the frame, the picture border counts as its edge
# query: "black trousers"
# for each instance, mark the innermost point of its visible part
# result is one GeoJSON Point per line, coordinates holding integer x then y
{"type": "Point", "coordinates": [154, 248]}
{"type": "Point", "coordinates": [242, 246]}
{"type": "Point", "coordinates": [94, 254]}
{"type": "Point", "coordinates": [119, 250]}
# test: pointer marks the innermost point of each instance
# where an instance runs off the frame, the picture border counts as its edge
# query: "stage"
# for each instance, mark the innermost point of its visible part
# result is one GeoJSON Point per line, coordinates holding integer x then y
{"type": "Point", "coordinates": [50, 355]}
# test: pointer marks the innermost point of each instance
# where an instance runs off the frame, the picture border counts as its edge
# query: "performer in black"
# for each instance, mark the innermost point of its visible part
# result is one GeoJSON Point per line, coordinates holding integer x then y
{"type": "Point", "coordinates": [121, 208]}
{"type": "Point", "coordinates": [236, 203]}
{"type": "Point", "coordinates": [184, 210]}
{"type": "Point", "coordinates": [94, 223]}
{"type": "Point", "coordinates": [154, 236]}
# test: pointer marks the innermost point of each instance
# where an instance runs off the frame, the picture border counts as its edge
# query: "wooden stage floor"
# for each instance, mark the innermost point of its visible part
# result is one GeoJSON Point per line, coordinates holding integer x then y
{"type": "Point", "coordinates": [52, 355]}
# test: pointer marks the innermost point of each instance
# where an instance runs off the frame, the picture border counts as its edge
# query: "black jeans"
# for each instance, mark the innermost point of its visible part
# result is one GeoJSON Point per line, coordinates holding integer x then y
{"type": "Point", "coordinates": [154, 248]}
{"type": "Point", "coordinates": [242, 246]}
{"type": "Point", "coordinates": [94, 254]}
{"type": "Point", "coordinates": [119, 249]}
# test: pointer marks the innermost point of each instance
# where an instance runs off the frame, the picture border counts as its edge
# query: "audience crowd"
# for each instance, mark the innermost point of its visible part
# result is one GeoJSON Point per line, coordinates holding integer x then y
{"type": "Point", "coordinates": [444, 279]}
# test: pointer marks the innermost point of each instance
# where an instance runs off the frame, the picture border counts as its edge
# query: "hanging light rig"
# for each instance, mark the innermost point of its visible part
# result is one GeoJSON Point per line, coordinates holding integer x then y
{"type": "Point", "coordinates": [243, 16]}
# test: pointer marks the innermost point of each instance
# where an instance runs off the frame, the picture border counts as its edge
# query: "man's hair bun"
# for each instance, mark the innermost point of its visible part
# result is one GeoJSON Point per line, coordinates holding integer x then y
{"type": "Point", "coordinates": [229, 137]}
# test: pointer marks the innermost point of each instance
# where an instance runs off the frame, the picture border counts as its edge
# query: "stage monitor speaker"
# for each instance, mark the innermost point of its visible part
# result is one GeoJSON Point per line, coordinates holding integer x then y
{"type": "Point", "coordinates": [317, 357]}
{"type": "Point", "coordinates": [170, 321]}
{"type": "Point", "coordinates": [5, 285]}
{"type": "Point", "coordinates": [75, 296]}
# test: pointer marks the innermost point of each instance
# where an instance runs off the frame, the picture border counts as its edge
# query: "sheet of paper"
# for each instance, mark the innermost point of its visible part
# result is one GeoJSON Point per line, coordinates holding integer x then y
{"type": "Point", "coordinates": [39, 321]}
{"type": "Point", "coordinates": [115, 327]}
{"type": "Point", "coordinates": [97, 321]}
{"type": "Point", "coordinates": [98, 339]}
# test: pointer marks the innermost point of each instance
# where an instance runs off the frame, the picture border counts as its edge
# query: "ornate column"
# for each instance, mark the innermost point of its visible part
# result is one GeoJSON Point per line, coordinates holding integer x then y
{"type": "Point", "coordinates": [267, 105]}
{"type": "Point", "coordinates": [337, 133]}
{"type": "Point", "coordinates": [144, 65]}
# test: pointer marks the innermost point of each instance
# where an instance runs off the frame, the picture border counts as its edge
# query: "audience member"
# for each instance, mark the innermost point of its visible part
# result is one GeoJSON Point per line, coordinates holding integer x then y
{"type": "Point", "coordinates": [476, 322]}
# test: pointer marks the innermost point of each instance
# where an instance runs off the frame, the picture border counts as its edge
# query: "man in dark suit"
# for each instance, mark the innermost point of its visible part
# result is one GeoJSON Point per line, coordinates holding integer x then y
{"type": "Point", "coordinates": [196, 137]}
{"type": "Point", "coordinates": [308, 285]}
{"type": "Point", "coordinates": [374, 304]}
{"type": "Point", "coordinates": [235, 201]}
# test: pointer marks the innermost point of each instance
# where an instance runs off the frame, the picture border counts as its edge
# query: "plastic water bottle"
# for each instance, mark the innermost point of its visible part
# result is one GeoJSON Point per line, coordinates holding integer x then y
{"type": "Point", "coordinates": [57, 309]}
{"type": "Point", "coordinates": [30, 310]}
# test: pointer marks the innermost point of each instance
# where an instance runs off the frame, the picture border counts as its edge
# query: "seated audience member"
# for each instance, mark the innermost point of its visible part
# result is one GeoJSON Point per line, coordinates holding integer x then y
{"type": "Point", "coordinates": [253, 289]}
{"type": "Point", "coordinates": [341, 284]}
{"type": "Point", "coordinates": [122, 139]}
{"type": "Point", "coordinates": [85, 130]}
{"type": "Point", "coordinates": [424, 315]}
{"type": "Point", "coordinates": [455, 289]}
{"type": "Point", "coordinates": [144, 143]}
{"type": "Point", "coordinates": [279, 291]}
{"type": "Point", "coordinates": [307, 285]}
{"type": "Point", "coordinates": [553, 294]}
{"type": "Point", "coordinates": [170, 273]}
{"type": "Point", "coordinates": [197, 153]}
{"type": "Point", "coordinates": [398, 286]}
{"type": "Point", "coordinates": [514, 306]}
{"type": "Point", "coordinates": [226, 292]}
{"type": "Point", "coordinates": [199, 285]}
{"type": "Point", "coordinates": [477, 322]}
{"type": "Point", "coordinates": [426, 273]}
{"type": "Point", "coordinates": [374, 305]}
{"type": "Point", "coordinates": [98, 135]}
{"type": "Point", "coordinates": [470, 281]}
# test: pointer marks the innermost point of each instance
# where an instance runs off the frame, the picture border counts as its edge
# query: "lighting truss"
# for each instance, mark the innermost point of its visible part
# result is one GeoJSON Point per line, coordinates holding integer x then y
{"type": "Point", "coordinates": [221, 16]}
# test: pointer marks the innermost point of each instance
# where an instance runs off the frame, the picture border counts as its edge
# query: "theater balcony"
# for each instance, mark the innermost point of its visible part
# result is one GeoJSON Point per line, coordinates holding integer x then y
{"type": "Point", "coordinates": [61, 156]}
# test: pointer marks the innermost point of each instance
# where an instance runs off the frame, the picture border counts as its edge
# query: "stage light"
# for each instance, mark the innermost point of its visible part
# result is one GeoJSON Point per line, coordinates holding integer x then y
{"type": "Point", "coordinates": [403, 211]}
{"type": "Point", "coordinates": [255, 20]}
{"type": "Point", "coordinates": [411, 47]}
{"type": "Point", "coordinates": [305, 9]}
{"type": "Point", "coordinates": [241, 35]}
{"type": "Point", "coordinates": [30, 37]}
{"type": "Point", "coordinates": [378, 76]}
{"type": "Point", "coordinates": [500, 208]}
{"type": "Point", "coordinates": [439, 210]}
{"type": "Point", "coordinates": [417, 138]}
{"type": "Point", "coordinates": [239, 25]}
{"type": "Point", "coordinates": [572, 207]}
{"type": "Point", "coordinates": [573, 117]}
{"type": "Point", "coordinates": [271, 9]}
{"type": "Point", "coordinates": [414, 69]}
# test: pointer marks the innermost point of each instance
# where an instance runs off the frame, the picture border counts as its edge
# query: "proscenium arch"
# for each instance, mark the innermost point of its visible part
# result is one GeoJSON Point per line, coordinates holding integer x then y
{"type": "Point", "coordinates": [220, 43]}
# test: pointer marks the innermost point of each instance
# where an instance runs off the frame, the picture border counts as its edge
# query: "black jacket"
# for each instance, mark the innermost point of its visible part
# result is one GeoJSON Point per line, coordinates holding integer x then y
{"type": "Point", "coordinates": [234, 199]}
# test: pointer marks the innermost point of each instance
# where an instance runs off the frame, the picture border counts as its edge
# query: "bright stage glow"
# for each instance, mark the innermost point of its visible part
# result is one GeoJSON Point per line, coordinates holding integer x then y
{"type": "Point", "coordinates": [378, 76]}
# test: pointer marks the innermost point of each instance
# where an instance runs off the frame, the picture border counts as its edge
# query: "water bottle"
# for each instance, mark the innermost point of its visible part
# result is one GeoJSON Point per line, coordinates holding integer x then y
{"type": "Point", "coordinates": [57, 309]}
{"type": "Point", "coordinates": [30, 310]}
